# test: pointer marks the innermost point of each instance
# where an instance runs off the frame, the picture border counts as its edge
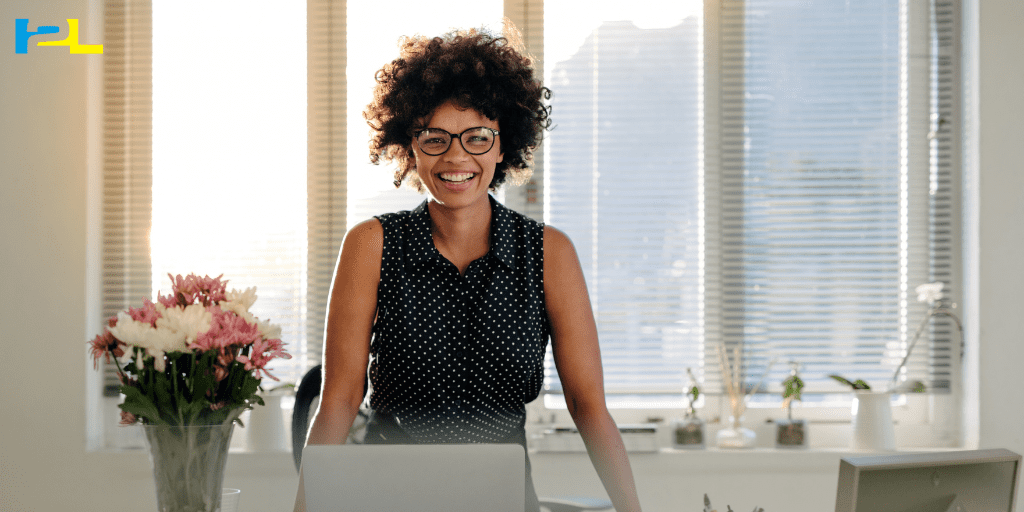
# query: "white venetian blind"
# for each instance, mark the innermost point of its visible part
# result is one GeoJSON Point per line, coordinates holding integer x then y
{"type": "Point", "coordinates": [826, 206]}
{"type": "Point", "coordinates": [127, 163]}
{"type": "Point", "coordinates": [761, 177]}
{"type": "Point", "coordinates": [623, 163]}
{"type": "Point", "coordinates": [233, 191]}
{"type": "Point", "coordinates": [327, 184]}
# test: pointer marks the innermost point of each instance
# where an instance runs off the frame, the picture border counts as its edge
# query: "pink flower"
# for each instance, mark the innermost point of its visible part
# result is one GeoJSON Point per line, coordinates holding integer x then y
{"type": "Point", "coordinates": [263, 351]}
{"type": "Point", "coordinates": [220, 373]}
{"type": "Point", "coordinates": [146, 314]}
{"type": "Point", "coordinates": [167, 300]}
{"type": "Point", "coordinates": [210, 290]}
{"type": "Point", "coordinates": [128, 418]}
{"type": "Point", "coordinates": [103, 345]}
{"type": "Point", "coordinates": [227, 329]}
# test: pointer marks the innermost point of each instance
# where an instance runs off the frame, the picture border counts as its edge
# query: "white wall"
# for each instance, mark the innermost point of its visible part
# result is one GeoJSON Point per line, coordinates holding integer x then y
{"type": "Point", "coordinates": [1001, 228]}
{"type": "Point", "coordinates": [44, 465]}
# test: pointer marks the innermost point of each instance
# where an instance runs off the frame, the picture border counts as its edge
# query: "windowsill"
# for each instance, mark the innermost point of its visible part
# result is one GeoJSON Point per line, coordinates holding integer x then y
{"type": "Point", "coordinates": [247, 463]}
{"type": "Point", "coordinates": [752, 460]}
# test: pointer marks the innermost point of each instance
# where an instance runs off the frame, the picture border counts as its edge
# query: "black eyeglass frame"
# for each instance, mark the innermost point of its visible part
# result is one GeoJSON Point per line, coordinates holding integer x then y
{"type": "Point", "coordinates": [452, 136]}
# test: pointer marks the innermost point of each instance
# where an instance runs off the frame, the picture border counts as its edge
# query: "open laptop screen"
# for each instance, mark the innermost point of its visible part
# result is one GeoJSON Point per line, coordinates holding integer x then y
{"type": "Point", "coordinates": [442, 478]}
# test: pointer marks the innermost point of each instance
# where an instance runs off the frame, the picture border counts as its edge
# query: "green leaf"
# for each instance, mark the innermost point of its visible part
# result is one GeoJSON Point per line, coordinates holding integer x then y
{"type": "Point", "coordinates": [858, 384]}
{"type": "Point", "coordinates": [162, 392]}
{"type": "Point", "coordinates": [140, 405]}
{"type": "Point", "coordinates": [794, 386]}
{"type": "Point", "coordinates": [203, 380]}
{"type": "Point", "coordinates": [249, 387]}
{"type": "Point", "coordinates": [197, 409]}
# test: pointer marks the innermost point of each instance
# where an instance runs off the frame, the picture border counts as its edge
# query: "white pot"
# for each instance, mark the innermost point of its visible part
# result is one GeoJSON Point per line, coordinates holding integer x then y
{"type": "Point", "coordinates": [872, 422]}
{"type": "Point", "coordinates": [266, 427]}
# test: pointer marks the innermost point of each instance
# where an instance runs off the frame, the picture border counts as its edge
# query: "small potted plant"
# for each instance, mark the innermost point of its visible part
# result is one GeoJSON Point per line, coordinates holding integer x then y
{"type": "Point", "coordinates": [688, 433]}
{"type": "Point", "coordinates": [791, 433]}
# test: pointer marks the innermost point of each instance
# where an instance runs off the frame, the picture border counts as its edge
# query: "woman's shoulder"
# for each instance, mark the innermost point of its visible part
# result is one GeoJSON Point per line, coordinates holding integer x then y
{"type": "Point", "coordinates": [366, 236]}
{"type": "Point", "coordinates": [557, 244]}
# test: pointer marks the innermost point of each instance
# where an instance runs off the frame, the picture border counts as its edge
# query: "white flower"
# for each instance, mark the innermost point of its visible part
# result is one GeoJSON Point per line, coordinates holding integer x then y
{"type": "Point", "coordinates": [269, 330]}
{"type": "Point", "coordinates": [129, 331]}
{"type": "Point", "coordinates": [159, 364]}
{"type": "Point", "coordinates": [929, 293]}
{"type": "Point", "coordinates": [164, 339]}
{"type": "Point", "coordinates": [187, 322]}
{"type": "Point", "coordinates": [239, 302]}
{"type": "Point", "coordinates": [244, 299]}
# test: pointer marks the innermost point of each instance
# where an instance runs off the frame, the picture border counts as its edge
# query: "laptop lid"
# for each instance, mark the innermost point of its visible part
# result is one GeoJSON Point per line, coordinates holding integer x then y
{"type": "Point", "coordinates": [427, 478]}
{"type": "Point", "coordinates": [949, 481]}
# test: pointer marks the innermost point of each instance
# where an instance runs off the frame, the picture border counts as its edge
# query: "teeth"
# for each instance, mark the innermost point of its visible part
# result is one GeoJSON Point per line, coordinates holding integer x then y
{"type": "Point", "coordinates": [457, 177]}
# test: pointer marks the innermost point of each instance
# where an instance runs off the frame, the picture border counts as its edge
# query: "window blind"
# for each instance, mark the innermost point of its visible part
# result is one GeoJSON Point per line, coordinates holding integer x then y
{"type": "Point", "coordinates": [762, 178]}
{"type": "Point", "coordinates": [827, 212]}
{"type": "Point", "coordinates": [528, 17]}
{"type": "Point", "coordinates": [127, 160]}
{"type": "Point", "coordinates": [623, 160]}
{"type": "Point", "coordinates": [326, 172]}
{"type": "Point", "coordinates": [277, 261]}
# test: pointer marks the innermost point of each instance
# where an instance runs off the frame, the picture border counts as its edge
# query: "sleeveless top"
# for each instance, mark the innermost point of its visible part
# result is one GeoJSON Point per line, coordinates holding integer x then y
{"type": "Point", "coordinates": [455, 358]}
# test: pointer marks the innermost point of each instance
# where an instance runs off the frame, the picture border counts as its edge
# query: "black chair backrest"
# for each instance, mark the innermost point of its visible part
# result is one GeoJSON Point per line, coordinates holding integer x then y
{"type": "Point", "coordinates": [309, 389]}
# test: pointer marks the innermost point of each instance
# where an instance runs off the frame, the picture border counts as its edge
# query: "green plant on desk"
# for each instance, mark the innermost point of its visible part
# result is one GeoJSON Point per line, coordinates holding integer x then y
{"type": "Point", "coordinates": [689, 433]}
{"type": "Point", "coordinates": [792, 389]}
{"type": "Point", "coordinates": [790, 432]}
{"type": "Point", "coordinates": [854, 385]}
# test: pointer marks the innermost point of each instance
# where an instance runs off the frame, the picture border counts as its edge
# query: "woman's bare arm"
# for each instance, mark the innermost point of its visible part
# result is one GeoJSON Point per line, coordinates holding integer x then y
{"type": "Point", "coordinates": [578, 360]}
{"type": "Point", "coordinates": [350, 315]}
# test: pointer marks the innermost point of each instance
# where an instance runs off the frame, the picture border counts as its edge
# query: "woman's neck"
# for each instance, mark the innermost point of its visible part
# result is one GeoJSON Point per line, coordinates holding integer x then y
{"type": "Point", "coordinates": [461, 224]}
{"type": "Point", "coordinates": [461, 235]}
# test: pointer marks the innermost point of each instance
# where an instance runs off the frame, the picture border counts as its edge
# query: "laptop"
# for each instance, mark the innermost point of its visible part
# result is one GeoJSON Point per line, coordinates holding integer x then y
{"type": "Point", "coordinates": [950, 481]}
{"type": "Point", "coordinates": [424, 478]}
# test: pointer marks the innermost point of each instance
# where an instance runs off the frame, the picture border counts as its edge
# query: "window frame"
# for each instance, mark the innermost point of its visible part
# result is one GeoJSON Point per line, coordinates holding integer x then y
{"type": "Point", "coordinates": [934, 420]}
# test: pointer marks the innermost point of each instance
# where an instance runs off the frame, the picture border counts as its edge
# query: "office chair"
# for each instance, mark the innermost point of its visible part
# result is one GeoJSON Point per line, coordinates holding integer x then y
{"type": "Point", "coordinates": [308, 392]}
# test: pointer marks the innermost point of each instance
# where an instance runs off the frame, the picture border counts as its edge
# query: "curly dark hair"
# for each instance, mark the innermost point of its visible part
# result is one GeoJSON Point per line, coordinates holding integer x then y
{"type": "Point", "coordinates": [473, 69]}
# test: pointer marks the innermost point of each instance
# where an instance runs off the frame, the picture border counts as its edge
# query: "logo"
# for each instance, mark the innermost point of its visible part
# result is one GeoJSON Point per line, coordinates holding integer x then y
{"type": "Point", "coordinates": [22, 34]}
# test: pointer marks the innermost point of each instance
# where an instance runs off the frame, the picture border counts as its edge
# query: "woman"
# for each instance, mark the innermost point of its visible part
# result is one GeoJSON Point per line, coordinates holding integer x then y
{"type": "Point", "coordinates": [450, 306]}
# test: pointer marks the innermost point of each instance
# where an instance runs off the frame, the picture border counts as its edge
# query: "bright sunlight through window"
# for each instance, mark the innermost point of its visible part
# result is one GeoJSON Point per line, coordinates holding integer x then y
{"type": "Point", "coordinates": [229, 149]}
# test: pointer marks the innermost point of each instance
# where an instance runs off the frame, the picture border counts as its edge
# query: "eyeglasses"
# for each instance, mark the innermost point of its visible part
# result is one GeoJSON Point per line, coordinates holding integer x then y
{"type": "Point", "coordinates": [435, 141]}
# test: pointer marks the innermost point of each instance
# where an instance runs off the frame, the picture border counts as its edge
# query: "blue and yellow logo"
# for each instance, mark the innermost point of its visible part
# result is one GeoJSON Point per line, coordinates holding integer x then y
{"type": "Point", "coordinates": [22, 33]}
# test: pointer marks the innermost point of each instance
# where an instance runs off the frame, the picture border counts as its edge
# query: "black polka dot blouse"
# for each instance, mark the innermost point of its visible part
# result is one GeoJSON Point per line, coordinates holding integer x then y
{"type": "Point", "coordinates": [455, 358]}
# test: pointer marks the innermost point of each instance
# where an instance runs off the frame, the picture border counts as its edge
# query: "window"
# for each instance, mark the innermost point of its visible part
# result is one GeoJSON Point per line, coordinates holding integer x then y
{"type": "Point", "coordinates": [765, 175]}
{"type": "Point", "coordinates": [774, 176]}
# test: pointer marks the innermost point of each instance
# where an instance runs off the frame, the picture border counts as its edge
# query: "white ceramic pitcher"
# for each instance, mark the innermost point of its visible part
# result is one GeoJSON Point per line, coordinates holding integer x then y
{"type": "Point", "coordinates": [872, 422]}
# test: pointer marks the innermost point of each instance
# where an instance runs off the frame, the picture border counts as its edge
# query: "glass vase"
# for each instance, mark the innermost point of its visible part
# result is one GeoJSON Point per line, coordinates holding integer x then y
{"type": "Point", "coordinates": [736, 435]}
{"type": "Point", "coordinates": [188, 465]}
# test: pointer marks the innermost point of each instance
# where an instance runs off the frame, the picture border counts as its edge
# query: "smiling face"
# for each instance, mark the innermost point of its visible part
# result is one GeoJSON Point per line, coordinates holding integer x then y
{"type": "Point", "coordinates": [457, 179]}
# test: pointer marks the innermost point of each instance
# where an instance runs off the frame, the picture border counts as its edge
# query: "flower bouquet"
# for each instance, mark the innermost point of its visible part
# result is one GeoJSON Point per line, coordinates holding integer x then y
{"type": "Point", "coordinates": [190, 364]}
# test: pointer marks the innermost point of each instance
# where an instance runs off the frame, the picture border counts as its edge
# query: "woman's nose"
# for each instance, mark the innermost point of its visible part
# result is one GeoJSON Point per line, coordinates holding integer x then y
{"type": "Point", "coordinates": [456, 152]}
